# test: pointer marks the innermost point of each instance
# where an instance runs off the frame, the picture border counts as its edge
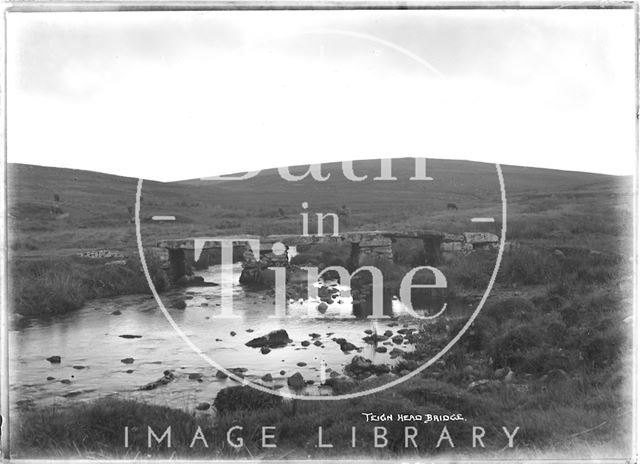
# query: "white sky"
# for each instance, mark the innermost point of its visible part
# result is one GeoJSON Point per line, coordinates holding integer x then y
{"type": "Point", "coordinates": [171, 96]}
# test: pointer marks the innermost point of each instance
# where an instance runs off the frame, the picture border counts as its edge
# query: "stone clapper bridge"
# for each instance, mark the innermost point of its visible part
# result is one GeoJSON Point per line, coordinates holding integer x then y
{"type": "Point", "coordinates": [184, 254]}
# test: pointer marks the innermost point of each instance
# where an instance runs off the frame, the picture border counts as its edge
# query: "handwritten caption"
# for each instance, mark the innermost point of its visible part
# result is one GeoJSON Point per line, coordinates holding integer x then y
{"type": "Point", "coordinates": [402, 417]}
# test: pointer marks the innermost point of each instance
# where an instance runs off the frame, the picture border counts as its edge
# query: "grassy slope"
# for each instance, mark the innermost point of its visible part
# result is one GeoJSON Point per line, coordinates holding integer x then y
{"type": "Point", "coordinates": [97, 203]}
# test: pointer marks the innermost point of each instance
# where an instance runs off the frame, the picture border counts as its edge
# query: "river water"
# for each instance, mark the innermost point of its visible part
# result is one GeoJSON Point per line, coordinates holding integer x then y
{"type": "Point", "coordinates": [89, 344]}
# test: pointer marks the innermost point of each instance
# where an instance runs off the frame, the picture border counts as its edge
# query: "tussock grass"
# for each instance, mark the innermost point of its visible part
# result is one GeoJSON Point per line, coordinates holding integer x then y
{"type": "Point", "coordinates": [469, 272]}
{"type": "Point", "coordinates": [554, 419]}
{"type": "Point", "coordinates": [98, 428]}
{"type": "Point", "coordinates": [58, 285]}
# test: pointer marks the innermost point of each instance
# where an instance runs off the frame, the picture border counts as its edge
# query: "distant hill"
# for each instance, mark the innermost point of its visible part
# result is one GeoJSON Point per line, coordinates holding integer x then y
{"type": "Point", "coordinates": [98, 199]}
{"type": "Point", "coordinates": [453, 180]}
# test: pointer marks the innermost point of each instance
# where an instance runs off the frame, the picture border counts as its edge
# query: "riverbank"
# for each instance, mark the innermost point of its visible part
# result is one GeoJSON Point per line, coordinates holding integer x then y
{"type": "Point", "coordinates": [551, 422]}
{"type": "Point", "coordinates": [57, 285]}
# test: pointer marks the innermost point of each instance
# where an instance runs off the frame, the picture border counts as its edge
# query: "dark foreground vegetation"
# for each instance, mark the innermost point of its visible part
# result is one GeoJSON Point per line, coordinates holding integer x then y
{"type": "Point", "coordinates": [562, 418]}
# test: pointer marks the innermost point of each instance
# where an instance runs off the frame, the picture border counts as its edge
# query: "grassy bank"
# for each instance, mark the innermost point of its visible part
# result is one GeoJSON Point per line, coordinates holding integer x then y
{"type": "Point", "coordinates": [554, 421]}
{"type": "Point", "coordinates": [41, 287]}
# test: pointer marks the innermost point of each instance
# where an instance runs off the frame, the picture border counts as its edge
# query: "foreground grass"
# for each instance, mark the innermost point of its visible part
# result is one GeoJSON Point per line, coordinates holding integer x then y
{"type": "Point", "coordinates": [556, 421]}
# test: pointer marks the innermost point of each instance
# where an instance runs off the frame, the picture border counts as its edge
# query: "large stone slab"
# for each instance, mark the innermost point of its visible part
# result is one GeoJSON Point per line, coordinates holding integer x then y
{"type": "Point", "coordinates": [375, 242]}
{"type": "Point", "coordinates": [480, 238]}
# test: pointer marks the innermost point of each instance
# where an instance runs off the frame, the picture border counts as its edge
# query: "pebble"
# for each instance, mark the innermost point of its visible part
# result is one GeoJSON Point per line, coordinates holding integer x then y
{"type": "Point", "coordinates": [179, 304]}
{"type": "Point", "coordinates": [203, 406]}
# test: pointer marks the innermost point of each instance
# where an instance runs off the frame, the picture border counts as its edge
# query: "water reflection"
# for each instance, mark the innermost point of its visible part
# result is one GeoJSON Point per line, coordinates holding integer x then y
{"type": "Point", "coordinates": [92, 350]}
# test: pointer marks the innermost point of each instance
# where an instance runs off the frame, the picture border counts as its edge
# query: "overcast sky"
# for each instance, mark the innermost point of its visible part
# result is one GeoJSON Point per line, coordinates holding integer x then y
{"type": "Point", "coordinates": [171, 96]}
